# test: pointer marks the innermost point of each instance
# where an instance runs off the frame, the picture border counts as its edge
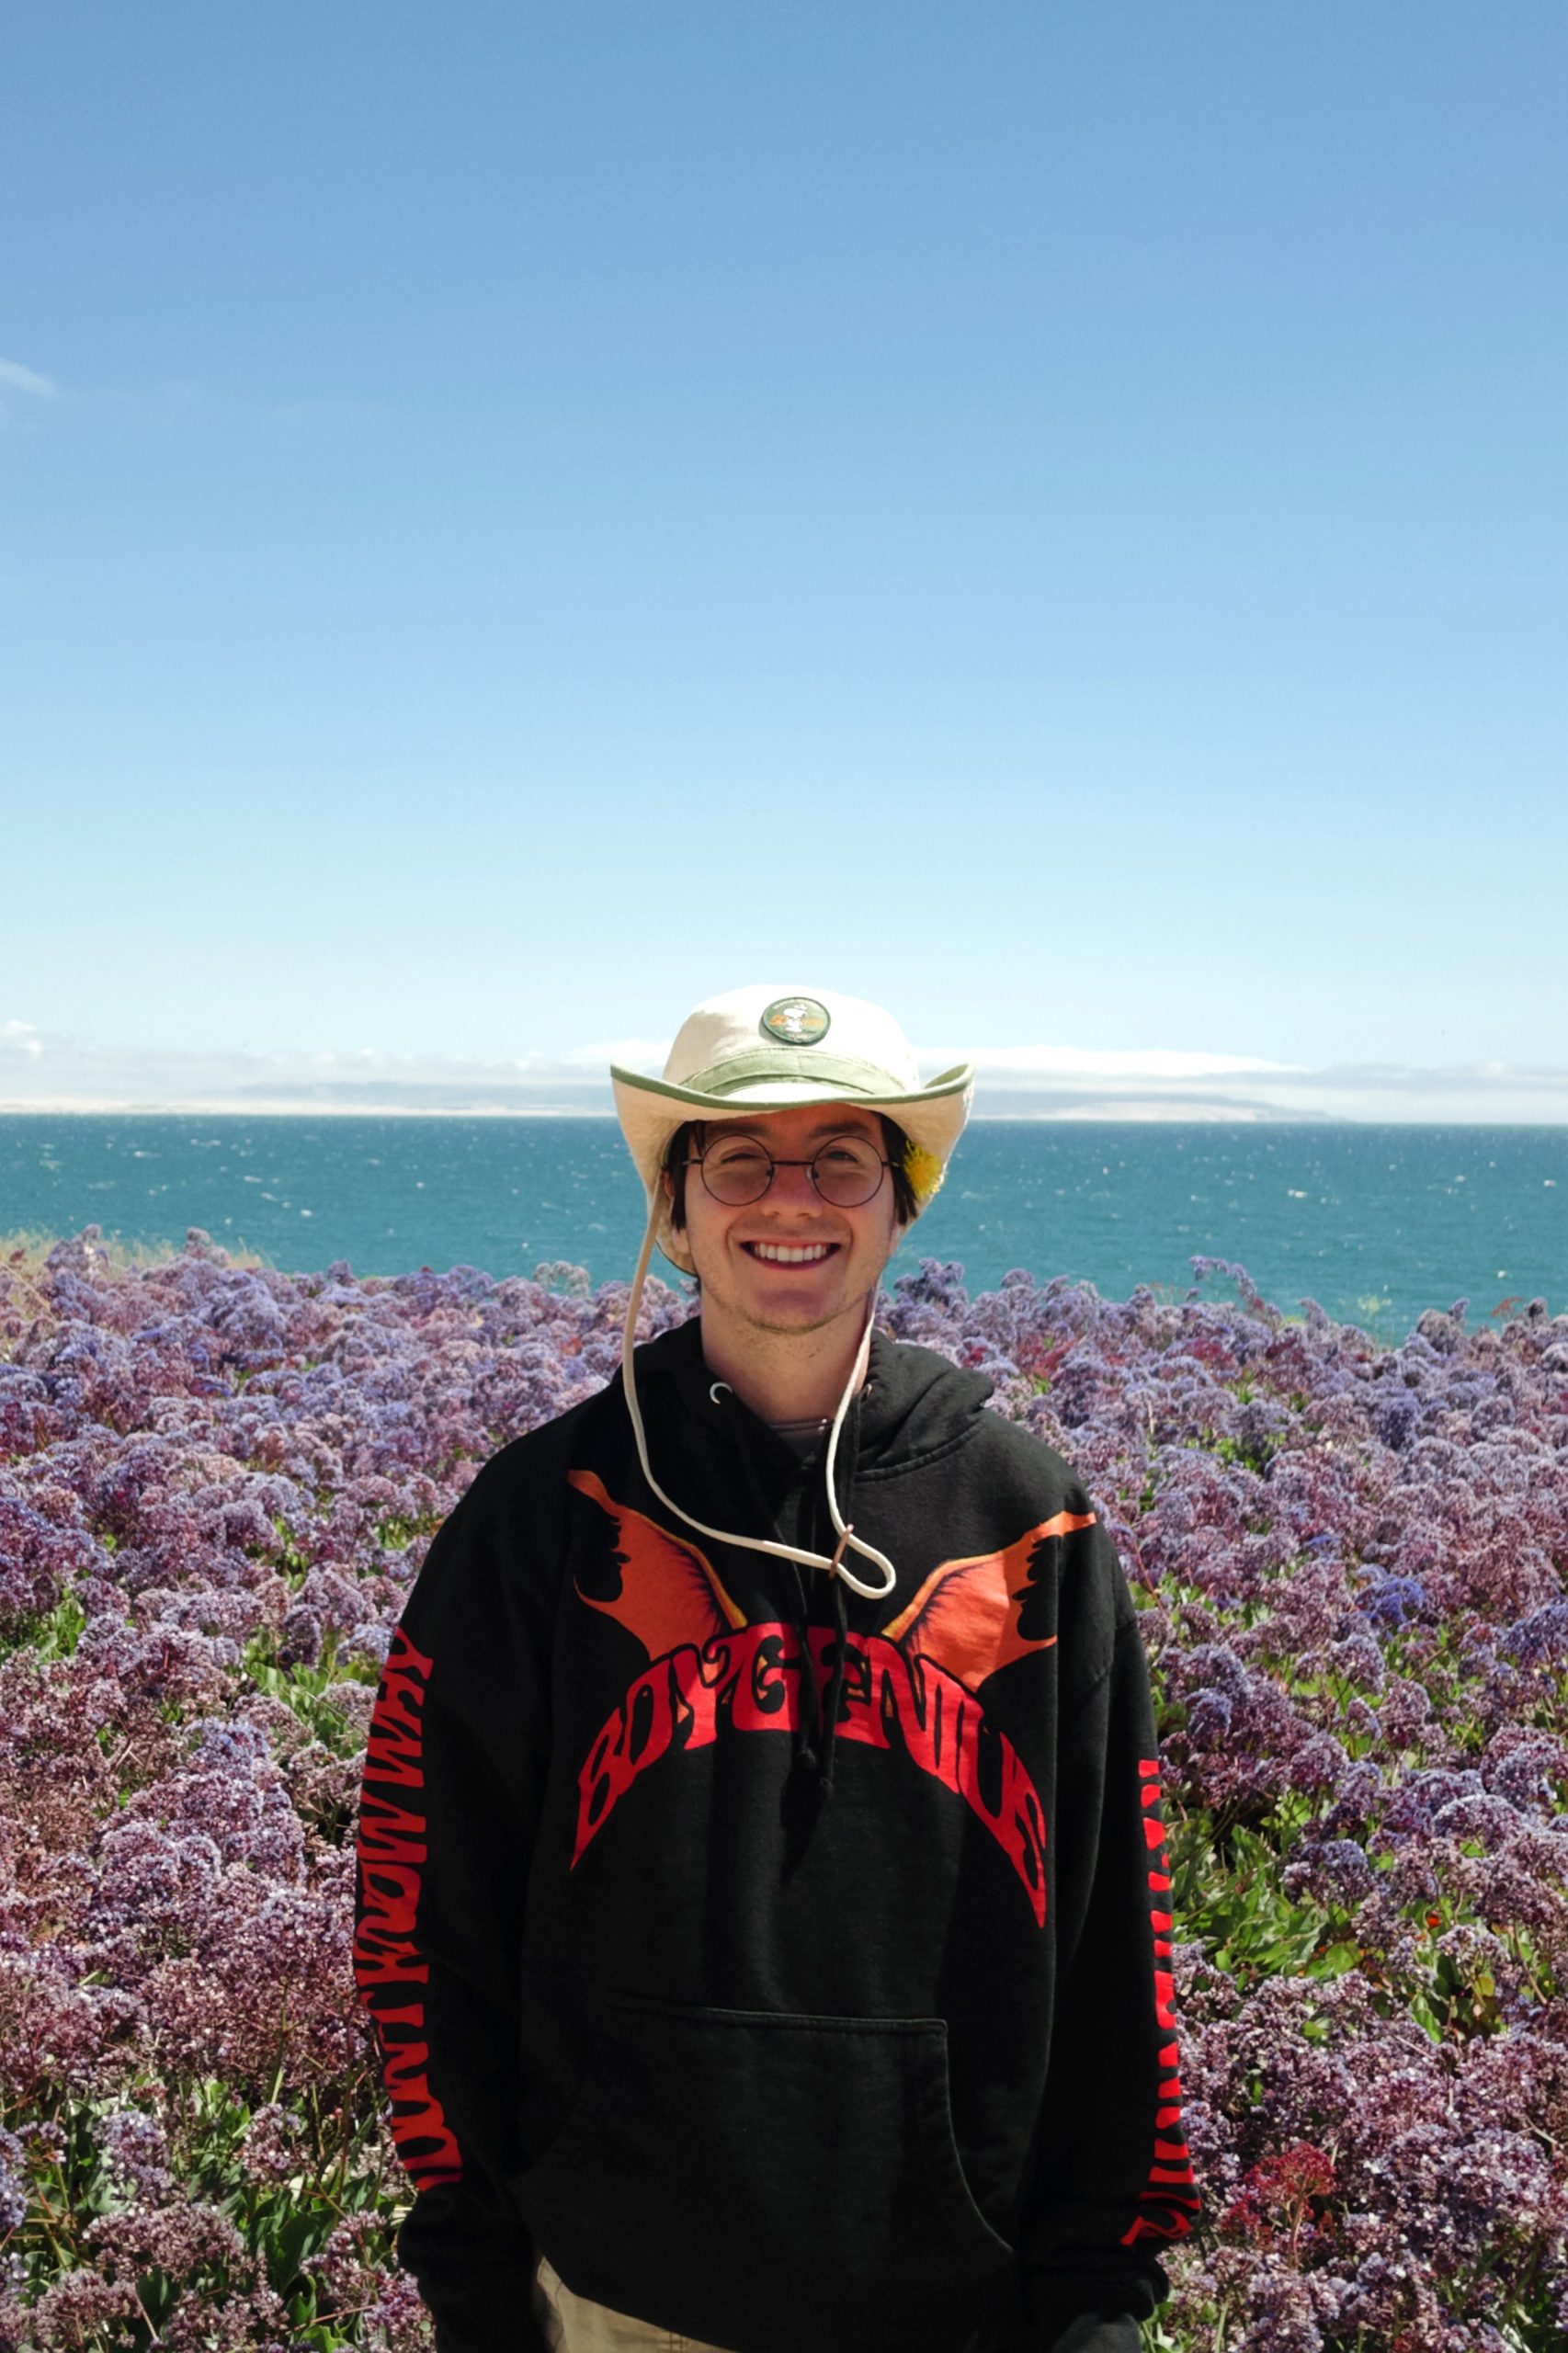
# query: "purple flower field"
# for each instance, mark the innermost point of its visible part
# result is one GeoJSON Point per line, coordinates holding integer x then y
{"type": "Point", "coordinates": [216, 1483]}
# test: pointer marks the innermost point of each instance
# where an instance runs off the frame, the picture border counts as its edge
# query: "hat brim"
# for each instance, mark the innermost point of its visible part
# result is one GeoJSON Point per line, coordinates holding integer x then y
{"type": "Point", "coordinates": [651, 1109]}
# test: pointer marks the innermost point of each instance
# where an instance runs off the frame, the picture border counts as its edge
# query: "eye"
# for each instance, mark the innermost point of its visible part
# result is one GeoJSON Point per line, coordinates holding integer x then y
{"type": "Point", "coordinates": [737, 1153]}
{"type": "Point", "coordinates": [844, 1151]}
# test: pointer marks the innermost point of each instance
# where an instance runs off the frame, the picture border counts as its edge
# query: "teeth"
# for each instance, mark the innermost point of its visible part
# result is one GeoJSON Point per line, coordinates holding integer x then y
{"type": "Point", "coordinates": [788, 1256]}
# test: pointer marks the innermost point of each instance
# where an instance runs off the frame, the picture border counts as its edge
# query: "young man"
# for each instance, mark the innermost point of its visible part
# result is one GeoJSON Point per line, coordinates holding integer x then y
{"type": "Point", "coordinates": [763, 1904]}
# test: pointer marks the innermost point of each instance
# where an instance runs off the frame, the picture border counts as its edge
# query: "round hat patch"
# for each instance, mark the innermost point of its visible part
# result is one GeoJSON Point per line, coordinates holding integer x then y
{"type": "Point", "coordinates": [795, 1021]}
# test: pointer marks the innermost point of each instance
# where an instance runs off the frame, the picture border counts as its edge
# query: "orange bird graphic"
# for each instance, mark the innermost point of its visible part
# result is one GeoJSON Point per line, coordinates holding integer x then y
{"type": "Point", "coordinates": [669, 1594]}
{"type": "Point", "coordinates": [964, 1618]}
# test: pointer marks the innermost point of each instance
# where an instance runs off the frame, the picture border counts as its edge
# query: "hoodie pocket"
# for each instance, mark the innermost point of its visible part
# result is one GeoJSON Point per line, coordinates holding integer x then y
{"type": "Point", "coordinates": [761, 2181]}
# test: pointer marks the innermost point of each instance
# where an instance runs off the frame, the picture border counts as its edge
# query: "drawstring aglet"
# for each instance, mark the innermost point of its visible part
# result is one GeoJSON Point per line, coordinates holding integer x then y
{"type": "Point", "coordinates": [838, 1549]}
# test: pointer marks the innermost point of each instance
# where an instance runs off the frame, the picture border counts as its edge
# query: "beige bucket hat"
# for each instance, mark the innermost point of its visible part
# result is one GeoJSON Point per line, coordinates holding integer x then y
{"type": "Point", "coordinates": [766, 1049]}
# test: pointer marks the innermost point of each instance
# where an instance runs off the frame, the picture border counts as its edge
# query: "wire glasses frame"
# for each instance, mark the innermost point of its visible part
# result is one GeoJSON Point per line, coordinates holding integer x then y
{"type": "Point", "coordinates": [845, 1172]}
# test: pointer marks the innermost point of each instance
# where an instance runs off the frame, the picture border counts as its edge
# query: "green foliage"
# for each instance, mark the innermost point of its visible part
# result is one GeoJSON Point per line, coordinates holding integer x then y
{"type": "Point", "coordinates": [76, 2198]}
{"type": "Point", "coordinates": [396, 1535]}
{"type": "Point", "coordinates": [309, 1691]}
{"type": "Point", "coordinates": [47, 1633]}
{"type": "Point", "coordinates": [291, 1563]}
{"type": "Point", "coordinates": [1224, 1891]}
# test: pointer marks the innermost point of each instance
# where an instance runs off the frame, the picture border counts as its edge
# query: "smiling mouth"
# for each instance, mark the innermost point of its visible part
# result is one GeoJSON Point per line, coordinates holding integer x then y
{"type": "Point", "coordinates": [790, 1254]}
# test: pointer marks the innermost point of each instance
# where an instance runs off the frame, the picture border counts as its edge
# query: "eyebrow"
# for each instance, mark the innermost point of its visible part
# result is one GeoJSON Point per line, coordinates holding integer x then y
{"type": "Point", "coordinates": [757, 1128]}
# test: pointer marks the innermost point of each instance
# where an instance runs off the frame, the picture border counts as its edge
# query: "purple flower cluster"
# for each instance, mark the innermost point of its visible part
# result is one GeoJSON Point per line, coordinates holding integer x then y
{"type": "Point", "coordinates": [216, 1483]}
{"type": "Point", "coordinates": [1352, 1563]}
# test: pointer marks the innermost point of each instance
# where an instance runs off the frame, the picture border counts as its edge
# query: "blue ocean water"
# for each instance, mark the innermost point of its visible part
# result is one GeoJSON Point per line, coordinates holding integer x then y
{"type": "Point", "coordinates": [1371, 1221]}
{"type": "Point", "coordinates": [1374, 1222]}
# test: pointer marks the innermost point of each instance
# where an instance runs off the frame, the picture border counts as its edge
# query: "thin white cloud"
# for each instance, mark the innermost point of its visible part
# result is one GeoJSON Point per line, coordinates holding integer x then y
{"type": "Point", "coordinates": [41, 1070]}
{"type": "Point", "coordinates": [176, 398]}
{"type": "Point", "coordinates": [648, 1055]}
{"type": "Point", "coordinates": [15, 378]}
{"type": "Point", "coordinates": [46, 1071]}
{"type": "Point", "coordinates": [1006, 1063]}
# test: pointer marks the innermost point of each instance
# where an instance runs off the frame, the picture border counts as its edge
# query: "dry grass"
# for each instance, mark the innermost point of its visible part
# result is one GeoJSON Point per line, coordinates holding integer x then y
{"type": "Point", "coordinates": [25, 1248]}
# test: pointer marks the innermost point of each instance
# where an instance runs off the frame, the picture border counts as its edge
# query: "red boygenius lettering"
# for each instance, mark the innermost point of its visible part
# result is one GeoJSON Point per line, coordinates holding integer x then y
{"type": "Point", "coordinates": [914, 1685]}
{"type": "Point", "coordinates": [753, 1681]}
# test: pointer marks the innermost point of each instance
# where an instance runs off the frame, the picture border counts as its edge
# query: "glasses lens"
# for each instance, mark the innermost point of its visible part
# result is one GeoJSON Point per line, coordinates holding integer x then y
{"type": "Point", "coordinates": [736, 1171]}
{"type": "Point", "coordinates": [848, 1171]}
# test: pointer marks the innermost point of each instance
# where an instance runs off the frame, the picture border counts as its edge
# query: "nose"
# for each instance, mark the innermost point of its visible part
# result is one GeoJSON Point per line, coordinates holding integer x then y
{"type": "Point", "coordinates": [792, 1190]}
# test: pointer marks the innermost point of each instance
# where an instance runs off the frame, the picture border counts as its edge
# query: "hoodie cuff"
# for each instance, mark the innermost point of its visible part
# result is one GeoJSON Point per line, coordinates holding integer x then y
{"type": "Point", "coordinates": [487, 2314]}
{"type": "Point", "coordinates": [1101, 2331]}
{"type": "Point", "coordinates": [1098, 2333]}
{"type": "Point", "coordinates": [476, 2282]}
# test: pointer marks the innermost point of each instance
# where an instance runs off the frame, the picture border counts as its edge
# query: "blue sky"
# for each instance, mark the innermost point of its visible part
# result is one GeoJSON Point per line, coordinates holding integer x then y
{"type": "Point", "coordinates": [518, 517]}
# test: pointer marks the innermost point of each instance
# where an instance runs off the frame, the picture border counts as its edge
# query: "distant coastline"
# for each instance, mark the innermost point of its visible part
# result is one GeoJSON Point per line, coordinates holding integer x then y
{"type": "Point", "coordinates": [296, 1108]}
{"type": "Point", "coordinates": [1077, 1113]}
{"type": "Point", "coordinates": [42, 1074]}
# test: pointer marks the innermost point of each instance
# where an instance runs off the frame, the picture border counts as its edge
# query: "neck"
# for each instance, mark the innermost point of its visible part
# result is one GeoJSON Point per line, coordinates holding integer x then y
{"type": "Point", "coordinates": [784, 1376]}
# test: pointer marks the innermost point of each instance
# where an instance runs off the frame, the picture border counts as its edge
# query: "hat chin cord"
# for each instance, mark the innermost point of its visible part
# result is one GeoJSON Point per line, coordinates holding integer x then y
{"type": "Point", "coordinates": [834, 1564]}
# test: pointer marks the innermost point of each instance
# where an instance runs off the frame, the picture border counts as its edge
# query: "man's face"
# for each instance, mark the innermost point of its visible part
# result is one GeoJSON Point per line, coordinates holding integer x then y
{"type": "Point", "coordinates": [744, 1282]}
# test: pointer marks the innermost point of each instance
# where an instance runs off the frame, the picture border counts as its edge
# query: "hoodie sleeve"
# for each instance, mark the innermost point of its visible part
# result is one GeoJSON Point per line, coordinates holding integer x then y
{"type": "Point", "coordinates": [1113, 2183]}
{"type": "Point", "coordinates": [453, 1776]}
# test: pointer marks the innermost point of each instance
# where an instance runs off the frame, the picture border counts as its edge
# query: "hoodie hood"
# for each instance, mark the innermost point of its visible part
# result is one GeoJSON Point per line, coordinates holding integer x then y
{"type": "Point", "coordinates": [914, 1403]}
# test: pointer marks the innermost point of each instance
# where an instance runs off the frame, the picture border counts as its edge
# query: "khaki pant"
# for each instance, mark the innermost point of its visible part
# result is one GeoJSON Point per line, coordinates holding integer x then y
{"type": "Point", "coordinates": [573, 2325]}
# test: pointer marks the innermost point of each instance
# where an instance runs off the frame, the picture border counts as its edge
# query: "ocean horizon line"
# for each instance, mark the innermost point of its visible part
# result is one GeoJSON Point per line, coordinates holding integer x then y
{"type": "Point", "coordinates": [1121, 1114]}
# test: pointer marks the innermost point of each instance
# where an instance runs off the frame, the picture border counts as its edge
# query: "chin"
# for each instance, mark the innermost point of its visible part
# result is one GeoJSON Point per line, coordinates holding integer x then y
{"type": "Point", "coordinates": [774, 1321]}
{"type": "Point", "coordinates": [800, 1314]}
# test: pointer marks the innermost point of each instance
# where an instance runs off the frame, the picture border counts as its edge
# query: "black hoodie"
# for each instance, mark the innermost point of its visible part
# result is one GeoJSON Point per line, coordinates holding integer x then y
{"type": "Point", "coordinates": [781, 2007]}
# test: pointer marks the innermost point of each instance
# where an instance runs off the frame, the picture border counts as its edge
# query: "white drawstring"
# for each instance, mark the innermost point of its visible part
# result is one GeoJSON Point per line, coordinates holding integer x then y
{"type": "Point", "coordinates": [847, 1540]}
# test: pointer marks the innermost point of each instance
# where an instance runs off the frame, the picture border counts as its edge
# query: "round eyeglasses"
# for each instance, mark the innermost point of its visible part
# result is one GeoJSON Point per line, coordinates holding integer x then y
{"type": "Point", "coordinates": [846, 1171]}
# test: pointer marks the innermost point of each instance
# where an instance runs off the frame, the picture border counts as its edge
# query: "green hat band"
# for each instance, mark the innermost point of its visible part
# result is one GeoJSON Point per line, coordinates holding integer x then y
{"type": "Point", "coordinates": [865, 1078]}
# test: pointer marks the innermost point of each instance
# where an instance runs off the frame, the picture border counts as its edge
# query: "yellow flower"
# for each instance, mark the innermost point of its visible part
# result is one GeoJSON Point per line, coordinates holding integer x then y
{"type": "Point", "coordinates": [923, 1170]}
